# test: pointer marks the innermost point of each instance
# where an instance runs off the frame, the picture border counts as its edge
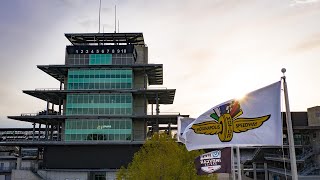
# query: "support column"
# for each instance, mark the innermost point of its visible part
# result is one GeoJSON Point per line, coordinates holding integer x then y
{"type": "Point", "coordinates": [254, 171]}
{"type": "Point", "coordinates": [145, 78]}
{"type": "Point", "coordinates": [239, 164]}
{"type": "Point", "coordinates": [33, 130]}
{"type": "Point", "coordinates": [60, 99]}
{"type": "Point", "coordinates": [47, 107]}
{"type": "Point", "coordinates": [51, 132]}
{"type": "Point", "coordinates": [151, 109]}
{"type": "Point", "coordinates": [59, 106]}
{"type": "Point", "coordinates": [58, 130]}
{"type": "Point", "coordinates": [39, 132]}
{"type": "Point", "coordinates": [145, 87]}
{"type": "Point", "coordinates": [19, 159]}
{"type": "Point", "coordinates": [157, 112]}
{"type": "Point", "coordinates": [46, 132]}
{"type": "Point", "coordinates": [265, 166]}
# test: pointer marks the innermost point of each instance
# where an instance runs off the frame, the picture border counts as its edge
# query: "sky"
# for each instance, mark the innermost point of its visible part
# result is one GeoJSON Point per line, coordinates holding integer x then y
{"type": "Point", "coordinates": [211, 50]}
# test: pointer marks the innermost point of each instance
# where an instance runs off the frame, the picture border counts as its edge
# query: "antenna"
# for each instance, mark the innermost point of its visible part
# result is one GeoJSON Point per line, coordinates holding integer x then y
{"type": "Point", "coordinates": [118, 26]}
{"type": "Point", "coordinates": [115, 19]}
{"type": "Point", "coordinates": [99, 14]}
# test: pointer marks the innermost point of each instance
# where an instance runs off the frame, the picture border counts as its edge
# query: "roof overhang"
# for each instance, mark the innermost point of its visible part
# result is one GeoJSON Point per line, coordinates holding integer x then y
{"type": "Point", "coordinates": [68, 143]}
{"type": "Point", "coordinates": [153, 71]}
{"type": "Point", "coordinates": [105, 38]}
{"type": "Point", "coordinates": [165, 96]}
{"type": "Point", "coordinates": [54, 119]}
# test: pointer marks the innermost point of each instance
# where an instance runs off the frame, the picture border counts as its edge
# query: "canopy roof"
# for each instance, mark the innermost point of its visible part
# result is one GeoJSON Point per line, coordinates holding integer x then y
{"type": "Point", "coordinates": [105, 38]}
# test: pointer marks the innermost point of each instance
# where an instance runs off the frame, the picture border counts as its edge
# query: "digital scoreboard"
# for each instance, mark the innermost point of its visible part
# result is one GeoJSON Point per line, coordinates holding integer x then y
{"type": "Point", "coordinates": [102, 49]}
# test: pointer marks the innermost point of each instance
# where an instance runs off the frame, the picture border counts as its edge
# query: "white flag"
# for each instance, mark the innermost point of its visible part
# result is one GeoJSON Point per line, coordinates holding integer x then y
{"type": "Point", "coordinates": [183, 123]}
{"type": "Point", "coordinates": [254, 120]}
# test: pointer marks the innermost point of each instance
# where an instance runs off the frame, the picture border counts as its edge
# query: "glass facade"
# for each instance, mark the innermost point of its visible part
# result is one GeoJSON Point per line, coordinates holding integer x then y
{"type": "Point", "coordinates": [98, 129]}
{"type": "Point", "coordinates": [99, 59]}
{"type": "Point", "coordinates": [99, 78]}
{"type": "Point", "coordinates": [99, 104]}
{"type": "Point", "coordinates": [114, 129]}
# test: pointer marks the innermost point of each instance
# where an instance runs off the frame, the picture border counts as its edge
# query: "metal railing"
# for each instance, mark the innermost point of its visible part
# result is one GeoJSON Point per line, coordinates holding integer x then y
{"type": "Point", "coordinates": [7, 169]}
{"type": "Point", "coordinates": [308, 169]}
{"type": "Point", "coordinates": [255, 153]}
{"type": "Point", "coordinates": [29, 114]}
{"type": "Point", "coordinates": [140, 88]}
{"type": "Point", "coordinates": [280, 156]}
{"type": "Point", "coordinates": [308, 153]}
{"type": "Point", "coordinates": [301, 157]}
{"type": "Point", "coordinates": [48, 89]}
{"type": "Point", "coordinates": [162, 113]}
{"type": "Point", "coordinates": [134, 114]}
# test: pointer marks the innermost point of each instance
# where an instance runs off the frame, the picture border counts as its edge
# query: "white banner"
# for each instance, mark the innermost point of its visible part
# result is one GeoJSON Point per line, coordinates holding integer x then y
{"type": "Point", "coordinates": [254, 120]}
{"type": "Point", "coordinates": [183, 123]}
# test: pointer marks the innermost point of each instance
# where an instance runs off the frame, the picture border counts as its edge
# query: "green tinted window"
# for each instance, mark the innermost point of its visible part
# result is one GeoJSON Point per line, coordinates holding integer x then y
{"type": "Point", "coordinates": [98, 129]}
{"type": "Point", "coordinates": [99, 79]}
{"type": "Point", "coordinates": [100, 59]}
{"type": "Point", "coordinates": [99, 104]}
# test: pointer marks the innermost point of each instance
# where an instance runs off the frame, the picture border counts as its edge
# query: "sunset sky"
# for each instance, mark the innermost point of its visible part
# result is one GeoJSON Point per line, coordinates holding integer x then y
{"type": "Point", "coordinates": [211, 50]}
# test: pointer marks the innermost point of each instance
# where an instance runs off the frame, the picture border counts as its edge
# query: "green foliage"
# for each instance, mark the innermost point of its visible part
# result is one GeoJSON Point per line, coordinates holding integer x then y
{"type": "Point", "coordinates": [162, 158]}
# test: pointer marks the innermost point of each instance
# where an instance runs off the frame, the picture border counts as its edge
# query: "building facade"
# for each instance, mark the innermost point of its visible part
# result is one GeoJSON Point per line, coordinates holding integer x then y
{"type": "Point", "coordinates": [274, 162]}
{"type": "Point", "coordinates": [103, 111]}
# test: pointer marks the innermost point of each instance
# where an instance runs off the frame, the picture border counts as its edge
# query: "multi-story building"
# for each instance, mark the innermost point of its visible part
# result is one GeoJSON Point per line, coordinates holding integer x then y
{"type": "Point", "coordinates": [274, 162]}
{"type": "Point", "coordinates": [102, 112]}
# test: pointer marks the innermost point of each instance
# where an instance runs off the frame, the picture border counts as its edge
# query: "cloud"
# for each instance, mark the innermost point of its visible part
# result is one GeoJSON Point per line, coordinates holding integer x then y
{"type": "Point", "coordinates": [311, 43]}
{"type": "Point", "coordinates": [301, 2]}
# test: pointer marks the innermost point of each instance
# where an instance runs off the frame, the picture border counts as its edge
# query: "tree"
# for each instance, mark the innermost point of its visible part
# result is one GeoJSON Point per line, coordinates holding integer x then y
{"type": "Point", "coordinates": [162, 158]}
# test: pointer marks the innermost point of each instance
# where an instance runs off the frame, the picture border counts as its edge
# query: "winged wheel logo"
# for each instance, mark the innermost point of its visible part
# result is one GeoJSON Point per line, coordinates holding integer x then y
{"type": "Point", "coordinates": [226, 121]}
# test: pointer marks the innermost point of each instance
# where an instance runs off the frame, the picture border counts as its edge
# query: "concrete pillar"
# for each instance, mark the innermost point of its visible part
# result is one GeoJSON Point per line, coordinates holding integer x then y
{"type": "Point", "coordinates": [33, 131]}
{"type": "Point", "coordinates": [60, 99]}
{"type": "Point", "coordinates": [265, 171]}
{"type": "Point", "coordinates": [51, 132]}
{"type": "Point", "coordinates": [46, 132]}
{"type": "Point", "coordinates": [59, 131]}
{"type": "Point", "coordinates": [157, 113]}
{"type": "Point", "coordinates": [47, 107]}
{"type": "Point", "coordinates": [59, 106]}
{"type": "Point", "coordinates": [242, 171]}
{"type": "Point", "coordinates": [62, 131]}
{"type": "Point", "coordinates": [19, 159]}
{"type": "Point", "coordinates": [254, 171]}
{"type": "Point", "coordinates": [39, 132]}
{"type": "Point", "coordinates": [151, 109]}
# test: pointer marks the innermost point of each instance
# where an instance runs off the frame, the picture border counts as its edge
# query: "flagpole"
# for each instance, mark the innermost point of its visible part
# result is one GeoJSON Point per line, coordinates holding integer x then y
{"type": "Point", "coordinates": [238, 162]}
{"type": "Point", "coordinates": [293, 163]}
{"type": "Point", "coordinates": [233, 173]}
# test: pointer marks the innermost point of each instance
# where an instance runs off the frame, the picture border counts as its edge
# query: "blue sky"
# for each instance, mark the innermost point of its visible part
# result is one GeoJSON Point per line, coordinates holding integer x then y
{"type": "Point", "coordinates": [212, 50]}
